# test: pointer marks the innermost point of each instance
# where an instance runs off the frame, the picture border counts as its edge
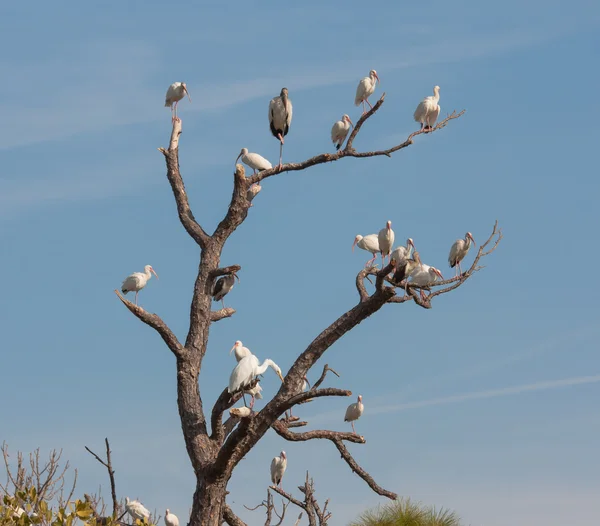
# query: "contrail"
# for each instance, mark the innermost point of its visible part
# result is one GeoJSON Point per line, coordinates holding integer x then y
{"type": "Point", "coordinates": [506, 391]}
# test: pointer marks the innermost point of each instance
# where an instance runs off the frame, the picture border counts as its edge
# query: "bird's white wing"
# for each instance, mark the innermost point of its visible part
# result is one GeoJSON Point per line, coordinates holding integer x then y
{"type": "Point", "coordinates": [360, 91]}
{"type": "Point", "coordinates": [454, 250]}
{"type": "Point", "coordinates": [350, 411]}
{"type": "Point", "coordinates": [258, 161]}
{"type": "Point", "coordinates": [170, 94]}
{"type": "Point", "coordinates": [336, 130]}
{"type": "Point", "coordinates": [433, 115]}
{"type": "Point", "coordinates": [371, 242]}
{"type": "Point", "coordinates": [290, 111]}
{"type": "Point", "coordinates": [420, 112]}
{"type": "Point", "coordinates": [274, 464]}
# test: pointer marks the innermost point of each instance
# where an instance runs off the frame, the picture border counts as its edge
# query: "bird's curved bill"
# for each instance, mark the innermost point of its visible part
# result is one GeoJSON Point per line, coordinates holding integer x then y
{"type": "Point", "coordinates": [152, 270]}
{"type": "Point", "coordinates": [236, 277]}
{"type": "Point", "coordinates": [280, 377]}
{"type": "Point", "coordinates": [353, 245]}
{"type": "Point", "coordinates": [232, 349]}
{"type": "Point", "coordinates": [238, 157]}
{"type": "Point", "coordinates": [188, 94]}
{"type": "Point", "coordinates": [377, 77]}
{"type": "Point", "coordinates": [351, 123]}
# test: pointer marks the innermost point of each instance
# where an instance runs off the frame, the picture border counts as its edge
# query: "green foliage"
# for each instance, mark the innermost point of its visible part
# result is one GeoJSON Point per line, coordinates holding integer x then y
{"type": "Point", "coordinates": [405, 512]}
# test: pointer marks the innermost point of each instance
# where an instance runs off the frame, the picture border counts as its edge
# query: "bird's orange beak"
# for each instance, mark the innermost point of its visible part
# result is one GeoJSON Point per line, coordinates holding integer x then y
{"type": "Point", "coordinates": [232, 349]}
{"type": "Point", "coordinates": [377, 77]}
{"type": "Point", "coordinates": [187, 93]}
{"type": "Point", "coordinates": [152, 270]}
{"type": "Point", "coordinates": [353, 245]}
{"type": "Point", "coordinates": [351, 123]}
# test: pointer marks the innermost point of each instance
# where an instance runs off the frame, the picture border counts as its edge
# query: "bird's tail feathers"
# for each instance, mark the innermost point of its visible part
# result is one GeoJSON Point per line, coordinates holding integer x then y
{"type": "Point", "coordinates": [124, 291]}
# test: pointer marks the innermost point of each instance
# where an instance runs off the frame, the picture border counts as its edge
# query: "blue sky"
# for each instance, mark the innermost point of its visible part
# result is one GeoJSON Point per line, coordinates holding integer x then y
{"type": "Point", "coordinates": [486, 404]}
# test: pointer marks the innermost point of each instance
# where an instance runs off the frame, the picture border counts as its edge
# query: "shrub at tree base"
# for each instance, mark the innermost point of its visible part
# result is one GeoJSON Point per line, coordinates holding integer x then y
{"type": "Point", "coordinates": [405, 512]}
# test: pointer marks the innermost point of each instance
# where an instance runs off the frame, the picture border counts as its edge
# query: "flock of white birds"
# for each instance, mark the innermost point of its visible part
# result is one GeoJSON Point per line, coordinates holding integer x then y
{"type": "Point", "coordinates": [244, 377]}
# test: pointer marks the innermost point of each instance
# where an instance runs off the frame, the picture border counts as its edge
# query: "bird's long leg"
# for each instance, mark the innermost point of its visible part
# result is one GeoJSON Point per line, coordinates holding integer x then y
{"type": "Point", "coordinates": [364, 108]}
{"type": "Point", "coordinates": [280, 166]}
{"type": "Point", "coordinates": [353, 430]}
{"type": "Point", "coordinates": [223, 302]}
{"type": "Point", "coordinates": [244, 397]}
{"type": "Point", "coordinates": [367, 101]}
{"type": "Point", "coordinates": [136, 293]}
{"type": "Point", "coordinates": [459, 269]}
{"type": "Point", "coordinates": [252, 402]}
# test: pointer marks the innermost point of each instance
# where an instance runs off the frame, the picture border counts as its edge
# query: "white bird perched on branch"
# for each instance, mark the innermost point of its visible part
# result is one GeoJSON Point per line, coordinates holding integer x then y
{"type": "Point", "coordinates": [424, 275]}
{"type": "Point", "coordinates": [428, 110]}
{"type": "Point", "coordinates": [386, 241]}
{"type": "Point", "coordinates": [399, 258]}
{"type": "Point", "coordinates": [246, 371]}
{"type": "Point", "coordinates": [280, 119]}
{"type": "Point", "coordinates": [254, 160]}
{"type": "Point", "coordinates": [240, 350]}
{"type": "Point", "coordinates": [223, 286]}
{"type": "Point", "coordinates": [175, 93]}
{"type": "Point", "coordinates": [366, 88]}
{"type": "Point", "coordinates": [340, 130]}
{"type": "Point", "coordinates": [255, 391]}
{"type": "Point", "coordinates": [459, 250]}
{"type": "Point", "coordinates": [171, 519]}
{"type": "Point", "coordinates": [137, 281]}
{"type": "Point", "coordinates": [369, 243]}
{"type": "Point", "coordinates": [354, 412]}
{"type": "Point", "coordinates": [252, 192]}
{"type": "Point", "coordinates": [136, 509]}
{"type": "Point", "coordinates": [278, 467]}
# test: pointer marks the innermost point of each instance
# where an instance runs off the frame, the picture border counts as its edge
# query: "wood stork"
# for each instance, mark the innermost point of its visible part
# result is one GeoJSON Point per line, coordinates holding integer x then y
{"type": "Point", "coordinates": [459, 250]}
{"type": "Point", "coordinates": [366, 88]}
{"type": "Point", "coordinates": [369, 243]}
{"type": "Point", "coordinates": [428, 110]}
{"type": "Point", "coordinates": [136, 509]}
{"type": "Point", "coordinates": [171, 519]}
{"type": "Point", "coordinates": [280, 119]}
{"type": "Point", "coordinates": [340, 130]}
{"type": "Point", "coordinates": [223, 286]}
{"type": "Point", "coordinates": [386, 241]}
{"type": "Point", "coordinates": [137, 281]}
{"type": "Point", "coordinates": [399, 258]}
{"type": "Point", "coordinates": [252, 192]}
{"type": "Point", "coordinates": [246, 371]}
{"type": "Point", "coordinates": [175, 93]}
{"type": "Point", "coordinates": [254, 160]}
{"type": "Point", "coordinates": [423, 275]}
{"type": "Point", "coordinates": [240, 351]}
{"type": "Point", "coordinates": [354, 412]}
{"type": "Point", "coordinates": [278, 467]}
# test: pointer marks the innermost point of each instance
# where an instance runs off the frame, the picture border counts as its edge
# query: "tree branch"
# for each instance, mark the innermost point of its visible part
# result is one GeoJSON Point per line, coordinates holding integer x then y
{"type": "Point", "coordinates": [157, 324]}
{"type": "Point", "coordinates": [217, 315]}
{"type": "Point", "coordinates": [231, 518]}
{"type": "Point", "coordinates": [111, 474]}
{"type": "Point", "coordinates": [186, 216]}
{"type": "Point", "coordinates": [326, 369]}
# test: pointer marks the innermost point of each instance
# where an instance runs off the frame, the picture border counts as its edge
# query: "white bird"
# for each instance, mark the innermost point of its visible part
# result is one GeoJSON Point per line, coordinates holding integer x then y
{"type": "Point", "coordinates": [223, 286]}
{"type": "Point", "coordinates": [428, 110]}
{"type": "Point", "coordinates": [254, 160]}
{"type": "Point", "coordinates": [240, 351]}
{"type": "Point", "coordinates": [175, 93]}
{"type": "Point", "coordinates": [340, 130]}
{"type": "Point", "coordinates": [459, 250]}
{"type": "Point", "coordinates": [278, 467]}
{"type": "Point", "coordinates": [246, 371]}
{"type": "Point", "coordinates": [255, 391]}
{"type": "Point", "coordinates": [253, 192]}
{"type": "Point", "coordinates": [401, 254]}
{"type": "Point", "coordinates": [423, 275]}
{"type": "Point", "coordinates": [171, 519]}
{"type": "Point", "coordinates": [354, 412]}
{"type": "Point", "coordinates": [305, 387]}
{"type": "Point", "coordinates": [369, 243]}
{"type": "Point", "coordinates": [280, 118]}
{"type": "Point", "coordinates": [366, 88]}
{"type": "Point", "coordinates": [137, 281]}
{"type": "Point", "coordinates": [386, 241]}
{"type": "Point", "coordinates": [136, 509]}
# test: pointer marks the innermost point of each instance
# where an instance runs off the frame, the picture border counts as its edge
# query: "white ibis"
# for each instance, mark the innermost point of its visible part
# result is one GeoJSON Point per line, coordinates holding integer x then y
{"type": "Point", "coordinates": [240, 351]}
{"type": "Point", "coordinates": [171, 519]}
{"type": "Point", "coordinates": [137, 281]}
{"type": "Point", "coordinates": [386, 241]}
{"type": "Point", "coordinates": [459, 250]}
{"type": "Point", "coordinates": [280, 119]}
{"type": "Point", "coordinates": [423, 275]}
{"type": "Point", "coordinates": [256, 391]}
{"type": "Point", "coordinates": [369, 243]}
{"type": "Point", "coordinates": [354, 412]}
{"type": "Point", "coordinates": [278, 466]}
{"type": "Point", "coordinates": [136, 509]}
{"type": "Point", "coordinates": [428, 110]}
{"type": "Point", "coordinates": [366, 88]}
{"type": "Point", "coordinates": [247, 370]}
{"type": "Point", "coordinates": [254, 160]}
{"type": "Point", "coordinates": [340, 130]}
{"type": "Point", "coordinates": [252, 192]}
{"type": "Point", "coordinates": [175, 93]}
{"type": "Point", "coordinates": [223, 286]}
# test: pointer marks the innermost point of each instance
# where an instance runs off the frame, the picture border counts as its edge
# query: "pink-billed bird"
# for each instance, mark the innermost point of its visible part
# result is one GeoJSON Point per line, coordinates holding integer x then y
{"type": "Point", "coordinates": [366, 88]}
{"type": "Point", "coordinates": [175, 93]}
{"type": "Point", "coordinates": [428, 110]}
{"type": "Point", "coordinates": [137, 281]}
{"type": "Point", "coordinates": [459, 250]}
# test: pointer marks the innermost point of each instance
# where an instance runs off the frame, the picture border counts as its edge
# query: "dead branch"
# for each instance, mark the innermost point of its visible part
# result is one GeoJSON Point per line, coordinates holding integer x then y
{"type": "Point", "coordinates": [326, 369]}
{"type": "Point", "coordinates": [231, 518]}
{"type": "Point", "coordinates": [111, 475]}
{"type": "Point", "coordinates": [217, 315]}
{"type": "Point", "coordinates": [309, 505]}
{"type": "Point", "coordinates": [270, 509]}
{"type": "Point", "coordinates": [156, 323]}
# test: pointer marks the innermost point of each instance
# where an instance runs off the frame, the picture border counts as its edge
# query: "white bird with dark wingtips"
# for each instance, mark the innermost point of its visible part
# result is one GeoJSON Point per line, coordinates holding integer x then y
{"type": "Point", "coordinates": [428, 110]}
{"type": "Point", "coordinates": [280, 119]}
{"type": "Point", "coordinates": [369, 243]}
{"type": "Point", "coordinates": [354, 412]}
{"type": "Point", "coordinates": [246, 371]}
{"type": "Point", "coordinates": [136, 509]}
{"type": "Point", "coordinates": [240, 351]}
{"type": "Point", "coordinates": [278, 467]}
{"type": "Point", "coordinates": [252, 192]}
{"type": "Point", "coordinates": [254, 160]}
{"type": "Point", "coordinates": [223, 286]}
{"type": "Point", "coordinates": [459, 250]}
{"type": "Point", "coordinates": [386, 238]}
{"type": "Point", "coordinates": [366, 88]}
{"type": "Point", "coordinates": [175, 93]}
{"type": "Point", "coordinates": [340, 130]}
{"type": "Point", "coordinates": [171, 519]}
{"type": "Point", "coordinates": [137, 281]}
{"type": "Point", "coordinates": [424, 275]}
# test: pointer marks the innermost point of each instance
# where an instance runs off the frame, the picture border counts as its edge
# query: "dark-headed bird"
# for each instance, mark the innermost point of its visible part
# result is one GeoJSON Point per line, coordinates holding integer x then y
{"type": "Point", "coordinates": [280, 119]}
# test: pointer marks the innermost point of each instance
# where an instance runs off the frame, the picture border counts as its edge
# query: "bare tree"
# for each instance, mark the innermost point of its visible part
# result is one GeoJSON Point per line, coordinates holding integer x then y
{"type": "Point", "coordinates": [215, 452]}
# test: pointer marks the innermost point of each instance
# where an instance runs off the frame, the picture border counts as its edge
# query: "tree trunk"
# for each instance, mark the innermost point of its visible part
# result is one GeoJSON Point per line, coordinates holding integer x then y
{"type": "Point", "coordinates": [209, 501]}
